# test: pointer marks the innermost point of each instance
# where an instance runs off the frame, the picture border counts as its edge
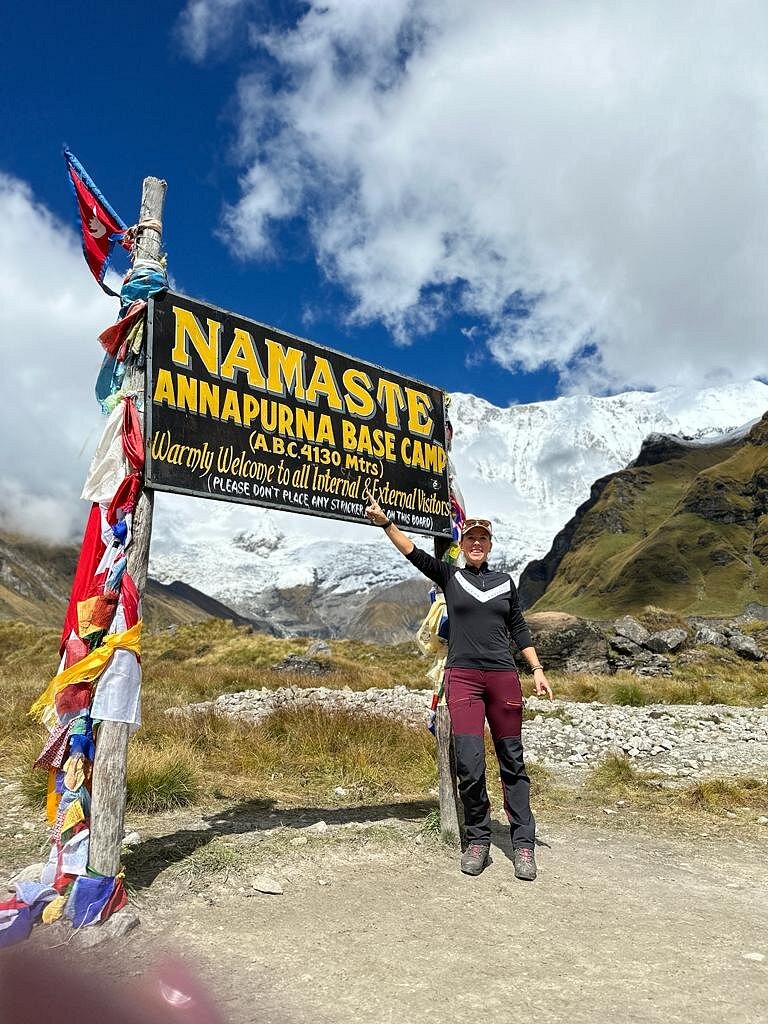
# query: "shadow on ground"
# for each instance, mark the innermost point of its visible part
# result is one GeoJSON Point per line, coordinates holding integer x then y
{"type": "Point", "coordinates": [145, 861]}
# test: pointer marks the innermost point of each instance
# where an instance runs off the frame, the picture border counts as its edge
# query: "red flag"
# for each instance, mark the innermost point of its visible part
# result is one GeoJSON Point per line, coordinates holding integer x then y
{"type": "Point", "coordinates": [99, 224]}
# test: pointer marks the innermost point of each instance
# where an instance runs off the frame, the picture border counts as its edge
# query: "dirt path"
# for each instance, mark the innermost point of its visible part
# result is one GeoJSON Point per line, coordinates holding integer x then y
{"type": "Point", "coordinates": [381, 927]}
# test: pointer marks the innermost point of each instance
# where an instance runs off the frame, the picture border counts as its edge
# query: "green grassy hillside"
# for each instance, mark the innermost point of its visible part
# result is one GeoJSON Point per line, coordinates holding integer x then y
{"type": "Point", "coordinates": [685, 528]}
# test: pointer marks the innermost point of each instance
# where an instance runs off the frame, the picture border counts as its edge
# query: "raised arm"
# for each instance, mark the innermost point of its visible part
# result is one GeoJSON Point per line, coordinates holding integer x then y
{"type": "Point", "coordinates": [374, 512]}
{"type": "Point", "coordinates": [432, 568]}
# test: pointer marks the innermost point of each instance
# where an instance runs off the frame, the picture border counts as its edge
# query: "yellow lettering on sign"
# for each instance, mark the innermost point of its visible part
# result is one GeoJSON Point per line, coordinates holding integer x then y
{"type": "Point", "coordinates": [188, 328]}
{"type": "Point", "coordinates": [242, 355]}
{"type": "Point", "coordinates": [230, 410]}
{"type": "Point", "coordinates": [186, 393]}
{"type": "Point", "coordinates": [391, 399]}
{"type": "Point", "coordinates": [286, 370]}
{"type": "Point", "coordinates": [419, 408]}
{"type": "Point", "coordinates": [323, 382]}
{"type": "Point", "coordinates": [164, 389]}
{"type": "Point", "coordinates": [358, 393]}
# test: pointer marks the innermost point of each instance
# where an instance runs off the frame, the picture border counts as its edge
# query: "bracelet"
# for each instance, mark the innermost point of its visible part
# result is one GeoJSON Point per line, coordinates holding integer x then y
{"type": "Point", "coordinates": [536, 668]}
{"type": "Point", "coordinates": [385, 526]}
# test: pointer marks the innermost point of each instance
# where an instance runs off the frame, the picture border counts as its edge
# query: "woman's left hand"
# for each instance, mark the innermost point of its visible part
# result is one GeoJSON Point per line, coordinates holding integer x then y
{"type": "Point", "coordinates": [541, 683]}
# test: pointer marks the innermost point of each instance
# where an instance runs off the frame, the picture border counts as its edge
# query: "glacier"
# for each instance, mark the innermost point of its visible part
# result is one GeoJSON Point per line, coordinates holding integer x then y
{"type": "Point", "coordinates": [527, 467]}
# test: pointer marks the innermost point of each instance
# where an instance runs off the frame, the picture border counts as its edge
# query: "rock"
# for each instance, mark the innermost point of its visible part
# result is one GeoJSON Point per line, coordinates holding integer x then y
{"type": "Point", "coordinates": [745, 647]}
{"type": "Point", "coordinates": [340, 791]}
{"type": "Point", "coordinates": [132, 839]}
{"type": "Point", "coordinates": [299, 841]}
{"type": "Point", "coordinates": [762, 820]}
{"type": "Point", "coordinates": [631, 629]}
{"type": "Point", "coordinates": [317, 827]}
{"type": "Point", "coordinates": [757, 958]}
{"type": "Point", "coordinates": [705, 635]}
{"type": "Point", "coordinates": [651, 665]}
{"type": "Point", "coordinates": [666, 641]}
{"type": "Point", "coordinates": [28, 874]}
{"type": "Point", "coordinates": [317, 647]}
{"type": "Point", "coordinates": [268, 885]}
{"type": "Point", "coordinates": [624, 646]}
{"type": "Point", "coordinates": [115, 927]}
{"type": "Point", "coordinates": [301, 663]}
{"type": "Point", "coordinates": [304, 665]}
{"type": "Point", "coordinates": [566, 642]}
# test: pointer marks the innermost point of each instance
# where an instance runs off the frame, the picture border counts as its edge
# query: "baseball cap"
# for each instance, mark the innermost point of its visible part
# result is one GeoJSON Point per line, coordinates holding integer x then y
{"type": "Point", "coordinates": [475, 524]}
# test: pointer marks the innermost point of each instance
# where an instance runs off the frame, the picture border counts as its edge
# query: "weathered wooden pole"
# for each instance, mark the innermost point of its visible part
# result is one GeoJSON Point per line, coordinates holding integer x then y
{"type": "Point", "coordinates": [451, 821]}
{"type": "Point", "coordinates": [109, 768]}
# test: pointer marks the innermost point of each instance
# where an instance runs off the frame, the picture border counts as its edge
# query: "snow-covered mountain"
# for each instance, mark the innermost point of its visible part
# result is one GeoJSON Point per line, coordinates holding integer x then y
{"type": "Point", "coordinates": [527, 467]}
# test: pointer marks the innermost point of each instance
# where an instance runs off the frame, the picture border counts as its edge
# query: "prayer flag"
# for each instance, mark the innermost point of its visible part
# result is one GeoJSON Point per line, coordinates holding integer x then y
{"type": "Point", "coordinates": [88, 898]}
{"type": "Point", "coordinates": [100, 226]}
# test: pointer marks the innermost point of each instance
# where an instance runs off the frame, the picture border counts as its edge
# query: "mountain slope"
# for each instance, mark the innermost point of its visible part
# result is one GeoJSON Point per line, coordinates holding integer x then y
{"type": "Point", "coordinates": [684, 527]}
{"type": "Point", "coordinates": [35, 581]}
{"type": "Point", "coordinates": [527, 466]}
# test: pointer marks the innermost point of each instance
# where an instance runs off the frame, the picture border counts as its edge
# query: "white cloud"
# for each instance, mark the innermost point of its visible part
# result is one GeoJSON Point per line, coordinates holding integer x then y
{"type": "Point", "coordinates": [205, 27]}
{"type": "Point", "coordinates": [602, 164]}
{"type": "Point", "coordinates": [51, 312]}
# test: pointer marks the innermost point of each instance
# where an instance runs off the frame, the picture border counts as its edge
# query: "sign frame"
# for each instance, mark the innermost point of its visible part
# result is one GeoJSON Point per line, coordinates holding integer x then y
{"type": "Point", "coordinates": [149, 422]}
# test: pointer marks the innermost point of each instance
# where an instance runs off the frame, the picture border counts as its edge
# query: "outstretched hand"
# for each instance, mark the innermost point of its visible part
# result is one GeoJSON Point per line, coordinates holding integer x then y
{"type": "Point", "coordinates": [374, 511]}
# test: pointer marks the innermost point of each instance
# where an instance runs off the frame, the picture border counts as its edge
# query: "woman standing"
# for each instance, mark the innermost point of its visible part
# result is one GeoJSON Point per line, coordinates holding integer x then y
{"type": "Point", "coordinates": [481, 681]}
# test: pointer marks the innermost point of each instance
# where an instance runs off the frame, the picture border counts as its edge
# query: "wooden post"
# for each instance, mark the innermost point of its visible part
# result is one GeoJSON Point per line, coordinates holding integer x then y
{"type": "Point", "coordinates": [109, 768]}
{"type": "Point", "coordinates": [451, 818]}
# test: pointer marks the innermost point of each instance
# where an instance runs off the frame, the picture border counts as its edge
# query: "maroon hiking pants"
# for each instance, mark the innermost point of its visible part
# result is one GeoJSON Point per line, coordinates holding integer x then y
{"type": "Point", "coordinates": [474, 695]}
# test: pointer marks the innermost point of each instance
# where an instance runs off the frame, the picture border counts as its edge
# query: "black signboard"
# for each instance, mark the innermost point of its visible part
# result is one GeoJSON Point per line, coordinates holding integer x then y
{"type": "Point", "coordinates": [240, 411]}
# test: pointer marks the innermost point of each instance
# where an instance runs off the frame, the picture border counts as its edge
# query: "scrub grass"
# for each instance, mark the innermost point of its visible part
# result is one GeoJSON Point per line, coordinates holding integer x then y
{"type": "Point", "coordinates": [717, 677]}
{"type": "Point", "coordinates": [630, 694]}
{"type": "Point", "coordinates": [615, 773]}
{"type": "Point", "coordinates": [742, 792]}
{"type": "Point", "coordinates": [159, 780]}
{"type": "Point", "coordinates": [304, 752]}
{"type": "Point", "coordinates": [616, 780]}
{"type": "Point", "coordinates": [300, 756]}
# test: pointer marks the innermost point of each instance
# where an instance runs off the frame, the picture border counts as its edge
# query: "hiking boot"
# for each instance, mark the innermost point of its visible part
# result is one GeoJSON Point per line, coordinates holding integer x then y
{"type": "Point", "coordinates": [475, 858]}
{"type": "Point", "coordinates": [525, 863]}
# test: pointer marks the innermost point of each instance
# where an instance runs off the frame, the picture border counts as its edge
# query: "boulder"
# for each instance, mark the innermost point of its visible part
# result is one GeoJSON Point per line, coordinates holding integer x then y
{"type": "Point", "coordinates": [631, 629]}
{"type": "Point", "coordinates": [745, 647]}
{"type": "Point", "coordinates": [317, 647]}
{"type": "Point", "coordinates": [707, 635]}
{"type": "Point", "coordinates": [301, 663]}
{"type": "Point", "coordinates": [644, 664]}
{"type": "Point", "coordinates": [666, 641]}
{"type": "Point", "coordinates": [566, 642]}
{"type": "Point", "coordinates": [652, 665]}
{"type": "Point", "coordinates": [623, 645]}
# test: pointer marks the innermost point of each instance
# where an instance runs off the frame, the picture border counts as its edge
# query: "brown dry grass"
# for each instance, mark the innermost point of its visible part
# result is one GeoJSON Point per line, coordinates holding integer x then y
{"type": "Point", "coordinates": [303, 755]}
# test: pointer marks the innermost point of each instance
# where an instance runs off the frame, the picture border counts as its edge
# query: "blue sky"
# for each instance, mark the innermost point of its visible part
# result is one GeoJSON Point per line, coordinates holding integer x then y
{"type": "Point", "coordinates": [508, 198]}
{"type": "Point", "coordinates": [220, 89]}
{"type": "Point", "coordinates": [127, 112]}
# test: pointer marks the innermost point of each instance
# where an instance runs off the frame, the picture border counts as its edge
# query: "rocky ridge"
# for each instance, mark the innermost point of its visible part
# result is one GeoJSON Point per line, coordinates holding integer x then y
{"type": "Point", "coordinates": [573, 644]}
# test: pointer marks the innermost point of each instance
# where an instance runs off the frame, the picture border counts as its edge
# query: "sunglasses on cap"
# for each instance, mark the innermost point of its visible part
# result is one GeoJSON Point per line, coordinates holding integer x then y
{"type": "Point", "coordinates": [475, 524]}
